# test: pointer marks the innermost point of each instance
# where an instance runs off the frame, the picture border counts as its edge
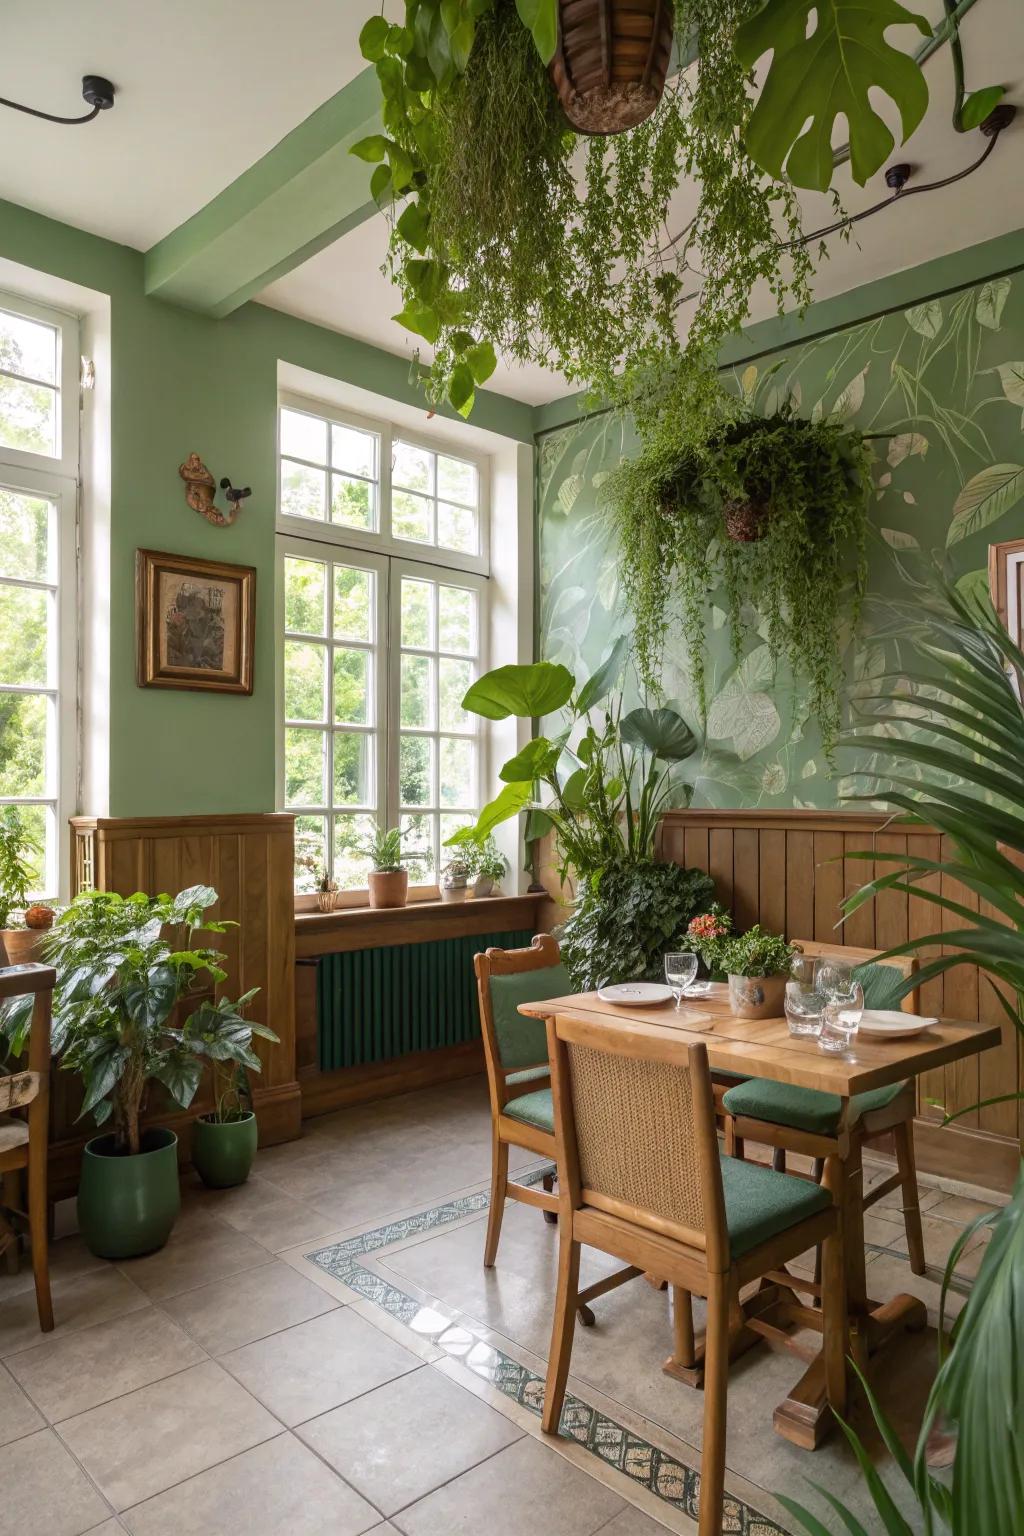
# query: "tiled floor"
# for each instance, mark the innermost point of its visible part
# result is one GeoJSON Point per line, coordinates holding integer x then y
{"type": "Point", "coordinates": [230, 1383]}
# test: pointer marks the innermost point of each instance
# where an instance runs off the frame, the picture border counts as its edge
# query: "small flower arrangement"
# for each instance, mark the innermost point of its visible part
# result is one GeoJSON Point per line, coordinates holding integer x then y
{"type": "Point", "coordinates": [707, 933]}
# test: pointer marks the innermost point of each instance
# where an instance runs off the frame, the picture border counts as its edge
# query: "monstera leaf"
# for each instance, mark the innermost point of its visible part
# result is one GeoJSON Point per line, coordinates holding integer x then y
{"type": "Point", "coordinates": [660, 731]}
{"type": "Point", "coordinates": [521, 691]}
{"type": "Point", "coordinates": [826, 75]}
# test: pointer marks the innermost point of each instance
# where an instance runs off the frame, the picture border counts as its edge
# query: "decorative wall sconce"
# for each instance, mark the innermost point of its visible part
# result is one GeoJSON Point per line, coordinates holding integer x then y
{"type": "Point", "coordinates": [201, 487]}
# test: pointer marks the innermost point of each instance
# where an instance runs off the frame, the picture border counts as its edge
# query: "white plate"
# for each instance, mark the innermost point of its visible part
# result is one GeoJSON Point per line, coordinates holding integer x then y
{"type": "Point", "coordinates": [636, 994]}
{"type": "Point", "coordinates": [893, 1025]}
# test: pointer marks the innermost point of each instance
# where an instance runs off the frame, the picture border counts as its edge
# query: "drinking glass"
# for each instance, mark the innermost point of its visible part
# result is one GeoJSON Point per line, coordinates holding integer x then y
{"type": "Point", "coordinates": [802, 968]}
{"type": "Point", "coordinates": [840, 1020]}
{"type": "Point", "coordinates": [834, 978]}
{"type": "Point", "coordinates": [803, 1008]}
{"type": "Point", "coordinates": [680, 969]}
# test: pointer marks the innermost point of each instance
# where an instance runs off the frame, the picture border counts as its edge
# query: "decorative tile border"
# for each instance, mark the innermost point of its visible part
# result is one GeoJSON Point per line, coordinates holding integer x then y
{"type": "Point", "coordinates": [645, 1464]}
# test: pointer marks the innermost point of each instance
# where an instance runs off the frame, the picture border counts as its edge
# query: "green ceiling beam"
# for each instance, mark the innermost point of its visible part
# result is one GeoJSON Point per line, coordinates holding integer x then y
{"type": "Point", "coordinates": [300, 197]}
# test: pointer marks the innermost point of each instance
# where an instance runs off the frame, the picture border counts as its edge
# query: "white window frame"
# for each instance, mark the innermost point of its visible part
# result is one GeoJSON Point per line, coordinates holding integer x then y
{"type": "Point", "coordinates": [55, 479]}
{"type": "Point", "coordinates": [383, 541]}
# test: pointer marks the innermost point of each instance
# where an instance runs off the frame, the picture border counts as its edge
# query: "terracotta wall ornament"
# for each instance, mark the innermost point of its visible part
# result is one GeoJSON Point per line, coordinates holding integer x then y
{"type": "Point", "coordinates": [201, 488]}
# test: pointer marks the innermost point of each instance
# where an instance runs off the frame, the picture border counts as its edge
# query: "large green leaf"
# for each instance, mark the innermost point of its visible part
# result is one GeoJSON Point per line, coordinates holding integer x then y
{"type": "Point", "coordinates": [511, 800]}
{"type": "Point", "coordinates": [600, 683]}
{"type": "Point", "coordinates": [535, 761]}
{"type": "Point", "coordinates": [541, 19]}
{"type": "Point", "coordinates": [984, 499]}
{"type": "Point", "coordinates": [524, 691]}
{"type": "Point", "coordinates": [660, 731]}
{"type": "Point", "coordinates": [825, 75]}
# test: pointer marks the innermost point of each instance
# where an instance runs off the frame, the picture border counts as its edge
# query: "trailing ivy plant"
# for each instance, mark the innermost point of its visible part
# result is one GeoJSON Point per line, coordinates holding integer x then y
{"type": "Point", "coordinates": [510, 232]}
{"type": "Point", "coordinates": [769, 510]}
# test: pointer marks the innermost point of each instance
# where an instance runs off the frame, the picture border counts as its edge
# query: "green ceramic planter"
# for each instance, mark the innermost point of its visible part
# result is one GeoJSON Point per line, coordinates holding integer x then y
{"type": "Point", "coordinates": [128, 1205]}
{"type": "Point", "coordinates": [223, 1152]}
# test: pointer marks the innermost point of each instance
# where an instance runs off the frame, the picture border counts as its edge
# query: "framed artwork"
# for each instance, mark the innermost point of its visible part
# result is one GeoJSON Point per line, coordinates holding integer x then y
{"type": "Point", "coordinates": [194, 623]}
{"type": "Point", "coordinates": [1006, 583]}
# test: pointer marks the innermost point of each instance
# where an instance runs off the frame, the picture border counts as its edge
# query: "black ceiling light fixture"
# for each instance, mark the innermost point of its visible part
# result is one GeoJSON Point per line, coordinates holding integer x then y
{"type": "Point", "coordinates": [97, 91]}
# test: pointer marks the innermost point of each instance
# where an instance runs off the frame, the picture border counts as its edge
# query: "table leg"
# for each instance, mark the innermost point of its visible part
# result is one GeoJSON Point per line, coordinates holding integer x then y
{"type": "Point", "coordinates": [804, 1416]}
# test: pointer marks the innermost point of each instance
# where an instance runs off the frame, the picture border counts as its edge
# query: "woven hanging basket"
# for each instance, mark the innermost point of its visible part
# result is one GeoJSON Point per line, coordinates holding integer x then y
{"type": "Point", "coordinates": [745, 520]}
{"type": "Point", "coordinates": [610, 64]}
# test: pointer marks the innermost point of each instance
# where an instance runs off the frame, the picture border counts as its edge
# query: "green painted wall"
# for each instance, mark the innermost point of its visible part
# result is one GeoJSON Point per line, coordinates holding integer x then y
{"type": "Point", "coordinates": [944, 380]}
{"type": "Point", "coordinates": [182, 382]}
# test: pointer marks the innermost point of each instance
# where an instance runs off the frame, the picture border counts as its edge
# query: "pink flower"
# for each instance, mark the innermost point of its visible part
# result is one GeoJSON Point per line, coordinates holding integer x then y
{"type": "Point", "coordinates": [707, 926]}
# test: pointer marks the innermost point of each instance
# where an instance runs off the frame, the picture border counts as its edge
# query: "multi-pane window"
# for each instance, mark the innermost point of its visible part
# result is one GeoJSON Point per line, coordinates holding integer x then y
{"type": "Point", "coordinates": [378, 651]}
{"type": "Point", "coordinates": [37, 583]}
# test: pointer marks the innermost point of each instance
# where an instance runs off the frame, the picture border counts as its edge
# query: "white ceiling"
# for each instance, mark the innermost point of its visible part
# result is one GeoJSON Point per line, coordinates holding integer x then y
{"type": "Point", "coordinates": [206, 87]}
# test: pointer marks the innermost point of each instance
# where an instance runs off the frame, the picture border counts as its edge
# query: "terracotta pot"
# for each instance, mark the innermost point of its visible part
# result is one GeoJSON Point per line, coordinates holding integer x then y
{"type": "Point", "coordinates": [757, 997]}
{"type": "Point", "coordinates": [611, 61]}
{"type": "Point", "coordinates": [389, 887]}
{"type": "Point", "coordinates": [22, 945]}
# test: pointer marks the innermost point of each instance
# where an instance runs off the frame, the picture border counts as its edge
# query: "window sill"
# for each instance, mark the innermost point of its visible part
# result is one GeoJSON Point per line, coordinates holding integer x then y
{"type": "Point", "coordinates": [318, 933]}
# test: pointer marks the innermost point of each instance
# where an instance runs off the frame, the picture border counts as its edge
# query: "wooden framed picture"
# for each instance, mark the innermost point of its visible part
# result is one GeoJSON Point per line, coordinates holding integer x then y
{"type": "Point", "coordinates": [194, 621]}
{"type": "Point", "coordinates": [1006, 584]}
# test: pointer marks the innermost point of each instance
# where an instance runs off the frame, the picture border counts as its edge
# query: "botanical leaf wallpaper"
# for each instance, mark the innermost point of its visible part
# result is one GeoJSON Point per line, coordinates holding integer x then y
{"type": "Point", "coordinates": [943, 383]}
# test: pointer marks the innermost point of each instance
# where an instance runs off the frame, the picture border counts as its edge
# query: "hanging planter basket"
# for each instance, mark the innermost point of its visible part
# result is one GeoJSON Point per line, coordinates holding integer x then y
{"type": "Point", "coordinates": [611, 61]}
{"type": "Point", "coordinates": [745, 521]}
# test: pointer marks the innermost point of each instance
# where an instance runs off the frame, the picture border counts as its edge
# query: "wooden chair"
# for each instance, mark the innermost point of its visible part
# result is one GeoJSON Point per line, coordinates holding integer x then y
{"type": "Point", "coordinates": [641, 1177]}
{"type": "Point", "coordinates": [789, 1119]}
{"type": "Point", "coordinates": [24, 1143]}
{"type": "Point", "coordinates": [519, 1080]}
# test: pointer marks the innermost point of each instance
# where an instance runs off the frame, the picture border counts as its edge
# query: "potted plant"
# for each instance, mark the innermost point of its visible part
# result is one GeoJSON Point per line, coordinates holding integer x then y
{"type": "Point", "coordinates": [388, 880]}
{"type": "Point", "coordinates": [756, 965]}
{"type": "Point", "coordinates": [19, 944]}
{"type": "Point", "coordinates": [490, 867]}
{"type": "Point", "coordinates": [326, 891]}
{"type": "Point", "coordinates": [224, 1140]}
{"type": "Point", "coordinates": [455, 878]}
{"type": "Point", "coordinates": [706, 936]}
{"type": "Point", "coordinates": [123, 965]}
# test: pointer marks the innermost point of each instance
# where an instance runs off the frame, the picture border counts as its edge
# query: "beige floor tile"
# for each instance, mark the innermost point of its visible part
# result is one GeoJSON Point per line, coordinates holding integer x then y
{"type": "Point", "coordinates": [939, 1237]}
{"type": "Point", "coordinates": [69, 1259]}
{"type": "Point", "coordinates": [94, 1298]}
{"type": "Point", "coordinates": [961, 1209]}
{"type": "Point", "coordinates": [247, 1306]}
{"type": "Point", "coordinates": [318, 1365]}
{"type": "Point", "coordinates": [17, 1415]}
{"type": "Point", "coordinates": [84, 1369]}
{"type": "Point", "coordinates": [44, 1492]}
{"type": "Point", "coordinates": [268, 1216]}
{"type": "Point", "coordinates": [139, 1445]}
{"type": "Point", "coordinates": [397, 1444]}
{"type": "Point", "coordinates": [196, 1254]}
{"type": "Point", "coordinates": [275, 1488]}
{"type": "Point", "coordinates": [525, 1489]}
{"type": "Point", "coordinates": [110, 1527]}
{"type": "Point", "coordinates": [632, 1522]}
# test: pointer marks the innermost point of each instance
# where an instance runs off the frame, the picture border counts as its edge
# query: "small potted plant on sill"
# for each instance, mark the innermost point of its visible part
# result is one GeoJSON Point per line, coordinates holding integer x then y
{"type": "Point", "coordinates": [756, 964]}
{"type": "Point", "coordinates": [455, 878]}
{"type": "Point", "coordinates": [326, 891]}
{"type": "Point", "coordinates": [19, 945]}
{"type": "Point", "coordinates": [490, 867]}
{"type": "Point", "coordinates": [123, 965]}
{"type": "Point", "coordinates": [388, 880]}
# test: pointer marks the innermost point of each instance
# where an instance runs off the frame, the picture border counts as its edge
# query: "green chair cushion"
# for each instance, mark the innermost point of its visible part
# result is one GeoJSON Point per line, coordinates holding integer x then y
{"type": "Point", "coordinates": [805, 1109]}
{"type": "Point", "coordinates": [881, 985]}
{"type": "Point", "coordinates": [523, 1042]}
{"type": "Point", "coordinates": [760, 1203]}
{"type": "Point", "coordinates": [533, 1109]}
{"type": "Point", "coordinates": [528, 1075]}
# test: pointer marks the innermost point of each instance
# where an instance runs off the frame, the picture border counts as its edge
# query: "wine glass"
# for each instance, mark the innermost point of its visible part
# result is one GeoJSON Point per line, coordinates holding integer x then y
{"type": "Point", "coordinates": [680, 969]}
{"type": "Point", "coordinates": [840, 1019]}
{"type": "Point", "coordinates": [803, 1008]}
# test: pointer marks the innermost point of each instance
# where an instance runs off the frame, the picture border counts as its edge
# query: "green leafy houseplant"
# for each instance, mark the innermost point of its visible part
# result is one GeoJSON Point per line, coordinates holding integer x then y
{"type": "Point", "coordinates": [601, 796]}
{"type": "Point", "coordinates": [16, 872]}
{"type": "Point", "coordinates": [707, 934]}
{"type": "Point", "coordinates": [771, 512]}
{"type": "Point", "coordinates": [384, 848]}
{"type": "Point", "coordinates": [755, 953]}
{"type": "Point", "coordinates": [489, 865]}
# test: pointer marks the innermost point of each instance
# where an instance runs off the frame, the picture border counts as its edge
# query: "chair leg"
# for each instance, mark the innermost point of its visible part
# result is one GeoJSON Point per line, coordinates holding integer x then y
{"type": "Point", "coordinates": [562, 1328]}
{"type": "Point", "coordinates": [499, 1185]}
{"type": "Point", "coordinates": [683, 1348]}
{"type": "Point", "coordinates": [835, 1322]}
{"type": "Point", "coordinates": [733, 1143]}
{"type": "Point", "coordinates": [39, 1231]}
{"type": "Point", "coordinates": [779, 1159]}
{"type": "Point", "coordinates": [716, 1384]}
{"type": "Point", "coordinates": [548, 1185]}
{"type": "Point", "coordinates": [11, 1198]}
{"type": "Point", "coordinates": [817, 1174]}
{"type": "Point", "coordinates": [903, 1140]}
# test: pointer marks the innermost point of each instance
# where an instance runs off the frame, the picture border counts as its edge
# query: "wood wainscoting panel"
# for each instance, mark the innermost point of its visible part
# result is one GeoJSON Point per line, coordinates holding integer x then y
{"type": "Point", "coordinates": [248, 859]}
{"type": "Point", "coordinates": [788, 870]}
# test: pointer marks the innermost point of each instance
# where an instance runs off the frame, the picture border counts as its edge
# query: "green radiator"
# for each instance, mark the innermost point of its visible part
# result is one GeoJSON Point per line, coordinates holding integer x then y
{"type": "Point", "coordinates": [374, 1004]}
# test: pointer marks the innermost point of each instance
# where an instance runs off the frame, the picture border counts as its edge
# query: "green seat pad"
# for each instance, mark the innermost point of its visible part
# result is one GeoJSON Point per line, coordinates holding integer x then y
{"type": "Point", "coordinates": [805, 1109]}
{"type": "Point", "coordinates": [881, 985]}
{"type": "Point", "coordinates": [533, 1109]}
{"type": "Point", "coordinates": [760, 1203]}
{"type": "Point", "coordinates": [523, 1042]}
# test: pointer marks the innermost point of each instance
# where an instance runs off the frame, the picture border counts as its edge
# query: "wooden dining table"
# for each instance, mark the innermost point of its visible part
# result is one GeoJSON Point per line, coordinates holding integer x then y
{"type": "Point", "coordinates": [765, 1048]}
